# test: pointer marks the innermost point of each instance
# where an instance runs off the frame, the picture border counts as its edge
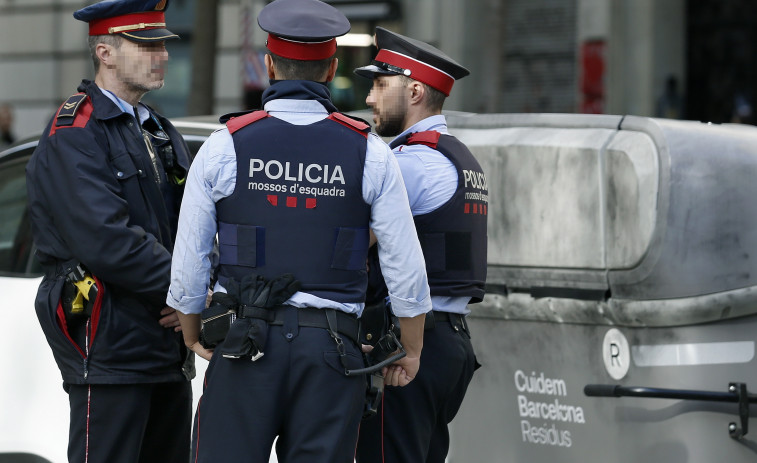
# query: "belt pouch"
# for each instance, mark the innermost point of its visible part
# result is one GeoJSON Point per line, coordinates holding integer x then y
{"type": "Point", "coordinates": [217, 320]}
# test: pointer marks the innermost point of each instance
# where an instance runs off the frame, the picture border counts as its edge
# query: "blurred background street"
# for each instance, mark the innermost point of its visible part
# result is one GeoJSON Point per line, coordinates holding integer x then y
{"type": "Point", "coordinates": [691, 59]}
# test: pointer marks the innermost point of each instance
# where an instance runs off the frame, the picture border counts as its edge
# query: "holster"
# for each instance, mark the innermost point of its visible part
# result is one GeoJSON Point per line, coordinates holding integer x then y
{"type": "Point", "coordinates": [379, 328]}
{"type": "Point", "coordinates": [79, 293]}
{"type": "Point", "coordinates": [373, 394]}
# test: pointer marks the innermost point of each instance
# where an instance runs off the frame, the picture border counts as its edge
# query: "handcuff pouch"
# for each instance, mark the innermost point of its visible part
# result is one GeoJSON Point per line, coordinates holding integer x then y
{"type": "Point", "coordinates": [217, 319]}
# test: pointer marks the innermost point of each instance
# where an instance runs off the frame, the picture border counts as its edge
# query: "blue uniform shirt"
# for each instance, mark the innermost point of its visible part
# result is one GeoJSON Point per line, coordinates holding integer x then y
{"type": "Point", "coordinates": [213, 177]}
{"type": "Point", "coordinates": [431, 180]}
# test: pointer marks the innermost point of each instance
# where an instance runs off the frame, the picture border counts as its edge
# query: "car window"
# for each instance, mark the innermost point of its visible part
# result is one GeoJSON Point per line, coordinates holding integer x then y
{"type": "Point", "coordinates": [15, 232]}
{"type": "Point", "coordinates": [194, 143]}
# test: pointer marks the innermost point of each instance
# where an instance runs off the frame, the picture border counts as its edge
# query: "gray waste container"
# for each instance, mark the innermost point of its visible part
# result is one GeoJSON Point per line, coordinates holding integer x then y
{"type": "Point", "coordinates": [622, 251]}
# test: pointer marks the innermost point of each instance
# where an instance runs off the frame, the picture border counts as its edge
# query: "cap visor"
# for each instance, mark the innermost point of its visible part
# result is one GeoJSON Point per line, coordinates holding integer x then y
{"type": "Point", "coordinates": [371, 71]}
{"type": "Point", "coordinates": [150, 35]}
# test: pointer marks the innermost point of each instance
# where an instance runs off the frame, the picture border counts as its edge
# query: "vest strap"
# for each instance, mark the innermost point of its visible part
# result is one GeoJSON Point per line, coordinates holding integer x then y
{"type": "Point", "coordinates": [354, 124]}
{"type": "Point", "coordinates": [429, 138]}
{"type": "Point", "coordinates": [236, 123]}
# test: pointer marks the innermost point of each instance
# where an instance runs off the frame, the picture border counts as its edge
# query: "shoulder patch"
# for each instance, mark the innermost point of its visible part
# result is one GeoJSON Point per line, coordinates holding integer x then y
{"type": "Point", "coordinates": [236, 123]}
{"type": "Point", "coordinates": [355, 124]}
{"type": "Point", "coordinates": [74, 112]}
{"type": "Point", "coordinates": [69, 108]}
{"type": "Point", "coordinates": [429, 138]}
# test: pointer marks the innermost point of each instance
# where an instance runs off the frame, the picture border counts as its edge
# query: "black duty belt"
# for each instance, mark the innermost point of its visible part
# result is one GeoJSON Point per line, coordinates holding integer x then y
{"type": "Point", "coordinates": [456, 320]}
{"type": "Point", "coordinates": [311, 317]}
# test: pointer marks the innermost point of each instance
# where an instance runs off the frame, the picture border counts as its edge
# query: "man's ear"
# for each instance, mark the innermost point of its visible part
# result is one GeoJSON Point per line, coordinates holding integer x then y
{"type": "Point", "coordinates": [103, 53]}
{"type": "Point", "coordinates": [417, 92]}
{"type": "Point", "coordinates": [332, 69]}
{"type": "Point", "coordinates": [269, 66]}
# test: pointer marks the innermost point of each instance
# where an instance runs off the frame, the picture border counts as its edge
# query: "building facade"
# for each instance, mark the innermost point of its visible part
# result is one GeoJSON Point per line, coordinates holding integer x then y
{"type": "Point", "coordinates": [603, 56]}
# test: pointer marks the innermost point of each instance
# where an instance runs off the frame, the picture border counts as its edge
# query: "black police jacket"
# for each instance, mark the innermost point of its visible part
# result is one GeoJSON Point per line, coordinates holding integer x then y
{"type": "Point", "coordinates": [94, 201]}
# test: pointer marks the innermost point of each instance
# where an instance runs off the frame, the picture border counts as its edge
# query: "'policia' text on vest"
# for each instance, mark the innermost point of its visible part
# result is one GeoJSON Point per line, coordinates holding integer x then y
{"type": "Point", "coordinates": [313, 173]}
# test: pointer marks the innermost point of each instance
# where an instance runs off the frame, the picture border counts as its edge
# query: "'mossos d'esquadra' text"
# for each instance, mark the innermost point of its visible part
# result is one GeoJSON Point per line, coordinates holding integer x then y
{"type": "Point", "coordinates": [318, 179]}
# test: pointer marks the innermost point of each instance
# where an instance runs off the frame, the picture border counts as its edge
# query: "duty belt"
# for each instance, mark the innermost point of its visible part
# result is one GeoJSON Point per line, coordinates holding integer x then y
{"type": "Point", "coordinates": [311, 317]}
{"type": "Point", "coordinates": [456, 320]}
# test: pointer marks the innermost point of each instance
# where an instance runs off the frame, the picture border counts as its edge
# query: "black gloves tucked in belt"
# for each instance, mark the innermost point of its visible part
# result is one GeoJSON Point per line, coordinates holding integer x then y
{"type": "Point", "coordinates": [248, 333]}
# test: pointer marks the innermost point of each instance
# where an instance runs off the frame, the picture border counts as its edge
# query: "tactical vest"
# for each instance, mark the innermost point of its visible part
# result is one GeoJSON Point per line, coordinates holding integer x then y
{"type": "Point", "coordinates": [453, 237]}
{"type": "Point", "coordinates": [298, 205]}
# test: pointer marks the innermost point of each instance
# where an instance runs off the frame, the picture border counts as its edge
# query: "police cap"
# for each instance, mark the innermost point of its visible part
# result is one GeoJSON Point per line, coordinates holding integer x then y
{"type": "Point", "coordinates": [135, 20]}
{"type": "Point", "coordinates": [412, 58]}
{"type": "Point", "coordinates": [302, 29]}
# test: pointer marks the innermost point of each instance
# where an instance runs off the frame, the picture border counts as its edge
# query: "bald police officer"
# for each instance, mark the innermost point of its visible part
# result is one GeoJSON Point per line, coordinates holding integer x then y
{"type": "Point", "coordinates": [104, 187]}
{"type": "Point", "coordinates": [292, 192]}
{"type": "Point", "coordinates": [447, 192]}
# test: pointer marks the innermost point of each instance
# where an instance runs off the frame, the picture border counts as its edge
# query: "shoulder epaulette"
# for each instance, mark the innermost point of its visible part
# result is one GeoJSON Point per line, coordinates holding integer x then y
{"type": "Point", "coordinates": [236, 123]}
{"type": "Point", "coordinates": [68, 110]}
{"type": "Point", "coordinates": [429, 138]}
{"type": "Point", "coordinates": [74, 112]}
{"type": "Point", "coordinates": [355, 124]}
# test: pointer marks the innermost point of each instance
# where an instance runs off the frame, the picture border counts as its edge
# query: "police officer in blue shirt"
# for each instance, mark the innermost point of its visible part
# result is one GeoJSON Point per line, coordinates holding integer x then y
{"type": "Point", "coordinates": [292, 192]}
{"type": "Point", "coordinates": [104, 187]}
{"type": "Point", "coordinates": [449, 200]}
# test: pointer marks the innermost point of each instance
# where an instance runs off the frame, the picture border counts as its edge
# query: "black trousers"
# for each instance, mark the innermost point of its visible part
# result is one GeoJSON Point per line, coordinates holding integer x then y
{"type": "Point", "coordinates": [412, 421]}
{"type": "Point", "coordinates": [130, 423]}
{"type": "Point", "coordinates": [296, 391]}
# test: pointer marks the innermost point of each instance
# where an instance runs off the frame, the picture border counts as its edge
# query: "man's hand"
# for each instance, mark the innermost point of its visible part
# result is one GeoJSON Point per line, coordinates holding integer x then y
{"type": "Point", "coordinates": [201, 351]}
{"type": "Point", "coordinates": [401, 372]}
{"type": "Point", "coordinates": [169, 319]}
{"type": "Point", "coordinates": [190, 325]}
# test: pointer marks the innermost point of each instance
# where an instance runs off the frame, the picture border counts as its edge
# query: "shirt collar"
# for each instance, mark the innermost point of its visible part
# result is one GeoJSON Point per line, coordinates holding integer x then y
{"type": "Point", "coordinates": [437, 123]}
{"type": "Point", "coordinates": [144, 114]}
{"type": "Point", "coordinates": [295, 106]}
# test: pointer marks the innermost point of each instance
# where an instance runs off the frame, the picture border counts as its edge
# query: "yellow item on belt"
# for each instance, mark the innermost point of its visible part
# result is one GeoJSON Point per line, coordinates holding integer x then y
{"type": "Point", "coordinates": [86, 289]}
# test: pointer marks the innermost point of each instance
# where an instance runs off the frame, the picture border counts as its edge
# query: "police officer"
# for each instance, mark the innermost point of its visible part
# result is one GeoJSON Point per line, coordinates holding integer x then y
{"type": "Point", "coordinates": [294, 190]}
{"type": "Point", "coordinates": [447, 192]}
{"type": "Point", "coordinates": [104, 186]}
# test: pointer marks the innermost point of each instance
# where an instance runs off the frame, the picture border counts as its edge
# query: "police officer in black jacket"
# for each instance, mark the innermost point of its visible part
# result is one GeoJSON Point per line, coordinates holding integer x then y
{"type": "Point", "coordinates": [104, 188]}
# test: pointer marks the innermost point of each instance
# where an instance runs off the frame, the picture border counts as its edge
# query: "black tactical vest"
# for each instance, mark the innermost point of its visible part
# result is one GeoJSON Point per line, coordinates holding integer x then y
{"type": "Point", "coordinates": [453, 237]}
{"type": "Point", "coordinates": [298, 205]}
